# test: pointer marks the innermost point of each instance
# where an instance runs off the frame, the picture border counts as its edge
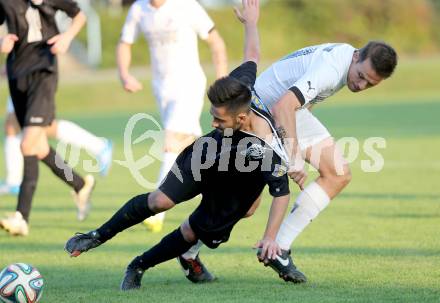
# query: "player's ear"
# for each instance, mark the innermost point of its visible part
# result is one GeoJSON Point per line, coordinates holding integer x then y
{"type": "Point", "coordinates": [241, 117]}
{"type": "Point", "coordinates": [356, 56]}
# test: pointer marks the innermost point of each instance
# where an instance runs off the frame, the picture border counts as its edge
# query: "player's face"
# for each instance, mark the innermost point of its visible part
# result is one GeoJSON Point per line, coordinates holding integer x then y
{"type": "Point", "coordinates": [361, 75]}
{"type": "Point", "coordinates": [223, 119]}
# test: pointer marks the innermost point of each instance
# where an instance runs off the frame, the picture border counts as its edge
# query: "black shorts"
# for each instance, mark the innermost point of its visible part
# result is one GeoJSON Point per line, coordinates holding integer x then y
{"type": "Point", "coordinates": [212, 235]}
{"type": "Point", "coordinates": [181, 186]}
{"type": "Point", "coordinates": [33, 97]}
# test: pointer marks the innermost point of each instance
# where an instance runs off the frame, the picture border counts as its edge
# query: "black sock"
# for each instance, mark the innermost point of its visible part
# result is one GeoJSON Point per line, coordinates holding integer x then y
{"type": "Point", "coordinates": [133, 212]}
{"type": "Point", "coordinates": [28, 185]}
{"type": "Point", "coordinates": [171, 246]}
{"type": "Point", "coordinates": [63, 171]}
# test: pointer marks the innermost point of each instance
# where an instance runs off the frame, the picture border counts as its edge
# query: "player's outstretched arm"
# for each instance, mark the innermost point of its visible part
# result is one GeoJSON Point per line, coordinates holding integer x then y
{"type": "Point", "coordinates": [61, 43]}
{"type": "Point", "coordinates": [249, 16]}
{"type": "Point", "coordinates": [269, 248]}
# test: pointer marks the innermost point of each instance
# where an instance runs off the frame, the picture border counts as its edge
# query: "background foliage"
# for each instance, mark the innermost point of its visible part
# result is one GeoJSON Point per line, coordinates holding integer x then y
{"type": "Point", "coordinates": [409, 25]}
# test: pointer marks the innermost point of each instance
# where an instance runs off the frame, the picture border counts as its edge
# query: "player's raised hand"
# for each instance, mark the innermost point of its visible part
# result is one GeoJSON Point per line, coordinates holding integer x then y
{"type": "Point", "coordinates": [7, 43]}
{"type": "Point", "coordinates": [60, 43]}
{"type": "Point", "coordinates": [131, 84]}
{"type": "Point", "coordinates": [249, 13]}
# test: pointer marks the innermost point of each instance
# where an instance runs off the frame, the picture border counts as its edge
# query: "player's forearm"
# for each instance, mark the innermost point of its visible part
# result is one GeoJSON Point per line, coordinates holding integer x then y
{"type": "Point", "coordinates": [252, 43]}
{"type": "Point", "coordinates": [276, 216]}
{"type": "Point", "coordinates": [123, 58]}
{"type": "Point", "coordinates": [77, 24]}
{"type": "Point", "coordinates": [284, 112]}
{"type": "Point", "coordinates": [218, 53]}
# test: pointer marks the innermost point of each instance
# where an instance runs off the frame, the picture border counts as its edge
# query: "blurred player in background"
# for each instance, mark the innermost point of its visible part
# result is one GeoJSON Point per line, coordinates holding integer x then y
{"type": "Point", "coordinates": [171, 28]}
{"type": "Point", "coordinates": [65, 131]}
{"type": "Point", "coordinates": [32, 43]}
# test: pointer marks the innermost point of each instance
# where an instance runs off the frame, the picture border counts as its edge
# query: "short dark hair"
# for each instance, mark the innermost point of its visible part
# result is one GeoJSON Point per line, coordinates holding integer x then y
{"type": "Point", "coordinates": [383, 57]}
{"type": "Point", "coordinates": [231, 93]}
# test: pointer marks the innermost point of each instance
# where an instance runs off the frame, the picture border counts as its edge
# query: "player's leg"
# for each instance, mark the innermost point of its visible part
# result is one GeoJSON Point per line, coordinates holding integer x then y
{"type": "Point", "coordinates": [32, 147]}
{"type": "Point", "coordinates": [135, 211]}
{"type": "Point", "coordinates": [172, 191]}
{"type": "Point", "coordinates": [171, 246]}
{"type": "Point", "coordinates": [319, 150]}
{"type": "Point", "coordinates": [71, 133]}
{"type": "Point", "coordinates": [192, 267]}
{"type": "Point", "coordinates": [13, 156]}
{"type": "Point", "coordinates": [131, 213]}
{"type": "Point", "coordinates": [334, 175]}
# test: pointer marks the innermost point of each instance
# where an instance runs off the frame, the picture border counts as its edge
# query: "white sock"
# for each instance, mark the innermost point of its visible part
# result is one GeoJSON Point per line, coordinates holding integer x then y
{"type": "Point", "coordinates": [311, 201]}
{"type": "Point", "coordinates": [14, 160]}
{"type": "Point", "coordinates": [71, 133]}
{"type": "Point", "coordinates": [193, 251]}
{"type": "Point", "coordinates": [168, 161]}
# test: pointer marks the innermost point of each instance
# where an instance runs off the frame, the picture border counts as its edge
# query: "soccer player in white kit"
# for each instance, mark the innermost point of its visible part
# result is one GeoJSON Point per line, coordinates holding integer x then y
{"type": "Point", "coordinates": [288, 89]}
{"type": "Point", "coordinates": [171, 28]}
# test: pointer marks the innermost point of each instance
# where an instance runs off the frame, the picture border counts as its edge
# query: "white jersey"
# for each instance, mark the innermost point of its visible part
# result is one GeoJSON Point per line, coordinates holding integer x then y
{"type": "Point", "coordinates": [312, 73]}
{"type": "Point", "coordinates": [171, 32]}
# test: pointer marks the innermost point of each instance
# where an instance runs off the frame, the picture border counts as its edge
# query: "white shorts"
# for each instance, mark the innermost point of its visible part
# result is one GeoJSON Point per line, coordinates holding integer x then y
{"type": "Point", "coordinates": [9, 106]}
{"type": "Point", "coordinates": [309, 129]}
{"type": "Point", "coordinates": [181, 106]}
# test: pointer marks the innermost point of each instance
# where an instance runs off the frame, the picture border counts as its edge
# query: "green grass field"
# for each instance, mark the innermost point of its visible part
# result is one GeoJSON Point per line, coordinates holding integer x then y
{"type": "Point", "coordinates": [377, 242]}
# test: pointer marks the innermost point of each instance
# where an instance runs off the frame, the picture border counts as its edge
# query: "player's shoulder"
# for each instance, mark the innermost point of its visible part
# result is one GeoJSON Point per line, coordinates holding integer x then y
{"type": "Point", "coordinates": [140, 5]}
{"type": "Point", "coordinates": [335, 56]}
{"type": "Point", "coordinates": [336, 51]}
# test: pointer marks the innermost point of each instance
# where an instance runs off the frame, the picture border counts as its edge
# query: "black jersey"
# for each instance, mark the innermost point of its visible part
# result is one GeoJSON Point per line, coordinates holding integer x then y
{"type": "Point", "coordinates": [34, 25]}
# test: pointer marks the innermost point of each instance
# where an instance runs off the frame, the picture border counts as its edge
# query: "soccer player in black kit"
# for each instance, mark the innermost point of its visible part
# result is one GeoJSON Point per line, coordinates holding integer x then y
{"type": "Point", "coordinates": [229, 167]}
{"type": "Point", "coordinates": [32, 43]}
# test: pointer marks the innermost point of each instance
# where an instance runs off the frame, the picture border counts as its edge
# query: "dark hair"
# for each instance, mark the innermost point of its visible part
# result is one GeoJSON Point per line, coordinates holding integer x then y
{"type": "Point", "coordinates": [231, 93]}
{"type": "Point", "coordinates": [383, 57]}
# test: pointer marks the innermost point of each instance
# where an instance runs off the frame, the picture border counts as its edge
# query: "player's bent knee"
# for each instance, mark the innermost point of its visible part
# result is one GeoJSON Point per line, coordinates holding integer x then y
{"type": "Point", "coordinates": [27, 148]}
{"type": "Point", "coordinates": [159, 202]}
{"type": "Point", "coordinates": [341, 180]}
{"type": "Point", "coordinates": [187, 232]}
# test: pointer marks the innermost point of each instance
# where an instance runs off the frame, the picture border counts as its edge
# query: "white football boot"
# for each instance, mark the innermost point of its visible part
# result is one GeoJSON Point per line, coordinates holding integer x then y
{"type": "Point", "coordinates": [15, 225]}
{"type": "Point", "coordinates": [82, 198]}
